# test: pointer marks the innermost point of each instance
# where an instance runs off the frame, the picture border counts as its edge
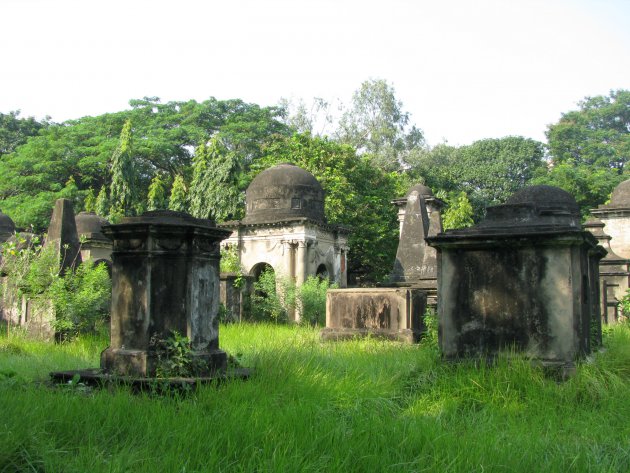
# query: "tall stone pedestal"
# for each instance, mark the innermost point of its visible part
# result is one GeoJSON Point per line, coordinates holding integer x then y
{"type": "Point", "coordinates": [165, 278]}
{"type": "Point", "coordinates": [416, 262]}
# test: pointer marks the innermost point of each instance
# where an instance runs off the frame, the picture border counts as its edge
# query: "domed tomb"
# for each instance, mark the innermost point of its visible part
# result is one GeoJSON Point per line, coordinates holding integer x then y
{"type": "Point", "coordinates": [546, 198]}
{"type": "Point", "coordinates": [533, 208]}
{"type": "Point", "coordinates": [7, 227]}
{"type": "Point", "coordinates": [284, 192]}
{"type": "Point", "coordinates": [621, 195]}
{"type": "Point", "coordinates": [421, 189]}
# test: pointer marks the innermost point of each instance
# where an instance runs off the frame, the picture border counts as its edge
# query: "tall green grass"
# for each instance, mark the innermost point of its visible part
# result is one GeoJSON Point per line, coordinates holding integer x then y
{"type": "Point", "coordinates": [311, 406]}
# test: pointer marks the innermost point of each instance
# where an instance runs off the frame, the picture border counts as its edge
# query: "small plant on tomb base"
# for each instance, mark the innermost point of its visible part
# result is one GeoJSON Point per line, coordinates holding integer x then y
{"type": "Point", "coordinates": [174, 356]}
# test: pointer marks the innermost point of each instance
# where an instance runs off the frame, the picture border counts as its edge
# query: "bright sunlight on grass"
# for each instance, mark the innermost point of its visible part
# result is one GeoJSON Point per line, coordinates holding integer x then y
{"type": "Point", "coordinates": [356, 406]}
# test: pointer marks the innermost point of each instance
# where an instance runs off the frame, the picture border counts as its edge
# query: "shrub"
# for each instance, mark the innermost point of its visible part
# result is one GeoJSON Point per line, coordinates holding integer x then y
{"type": "Point", "coordinates": [624, 305]}
{"type": "Point", "coordinates": [81, 298]}
{"type": "Point", "coordinates": [273, 298]}
{"type": "Point", "coordinates": [311, 300]}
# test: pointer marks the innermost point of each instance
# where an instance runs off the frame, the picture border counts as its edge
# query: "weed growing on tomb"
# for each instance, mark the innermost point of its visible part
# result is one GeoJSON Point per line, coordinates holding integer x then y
{"type": "Point", "coordinates": [174, 356]}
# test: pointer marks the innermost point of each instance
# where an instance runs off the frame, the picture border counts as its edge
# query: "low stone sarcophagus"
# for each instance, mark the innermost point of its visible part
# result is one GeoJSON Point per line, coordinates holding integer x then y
{"type": "Point", "coordinates": [165, 278]}
{"type": "Point", "coordinates": [392, 313]}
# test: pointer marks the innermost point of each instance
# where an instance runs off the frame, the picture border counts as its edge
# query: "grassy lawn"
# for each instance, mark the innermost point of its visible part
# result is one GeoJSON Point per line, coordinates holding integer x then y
{"type": "Point", "coordinates": [357, 406]}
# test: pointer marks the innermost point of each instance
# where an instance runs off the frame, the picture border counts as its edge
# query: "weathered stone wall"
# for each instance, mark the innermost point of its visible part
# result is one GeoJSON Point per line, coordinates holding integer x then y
{"type": "Point", "coordinates": [234, 296]}
{"type": "Point", "coordinates": [494, 298]}
{"type": "Point", "coordinates": [393, 313]}
{"type": "Point", "coordinates": [618, 227]}
{"type": "Point", "coordinates": [525, 278]}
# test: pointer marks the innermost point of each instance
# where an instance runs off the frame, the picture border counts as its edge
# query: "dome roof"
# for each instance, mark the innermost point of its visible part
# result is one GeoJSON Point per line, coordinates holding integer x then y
{"type": "Point", "coordinates": [90, 224]}
{"type": "Point", "coordinates": [282, 192]}
{"type": "Point", "coordinates": [546, 197]}
{"type": "Point", "coordinates": [7, 227]}
{"type": "Point", "coordinates": [421, 189]}
{"type": "Point", "coordinates": [621, 195]}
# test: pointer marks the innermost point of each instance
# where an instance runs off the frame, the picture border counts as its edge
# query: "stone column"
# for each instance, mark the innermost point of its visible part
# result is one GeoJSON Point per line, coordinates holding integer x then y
{"type": "Point", "coordinates": [165, 278]}
{"type": "Point", "coordinates": [343, 280]}
{"type": "Point", "coordinates": [301, 262]}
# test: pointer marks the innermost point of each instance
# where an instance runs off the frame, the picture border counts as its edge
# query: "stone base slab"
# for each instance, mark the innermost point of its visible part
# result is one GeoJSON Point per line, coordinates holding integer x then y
{"type": "Point", "coordinates": [141, 363]}
{"type": "Point", "coordinates": [97, 377]}
{"type": "Point", "coordinates": [338, 334]}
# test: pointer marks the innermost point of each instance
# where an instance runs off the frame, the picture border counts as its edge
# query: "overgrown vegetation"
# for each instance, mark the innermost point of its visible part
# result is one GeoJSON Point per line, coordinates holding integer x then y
{"type": "Point", "coordinates": [355, 406]}
{"type": "Point", "coordinates": [273, 298]}
{"type": "Point", "coordinates": [276, 298]}
{"type": "Point", "coordinates": [80, 299]}
{"type": "Point", "coordinates": [174, 356]}
{"type": "Point", "coordinates": [624, 305]}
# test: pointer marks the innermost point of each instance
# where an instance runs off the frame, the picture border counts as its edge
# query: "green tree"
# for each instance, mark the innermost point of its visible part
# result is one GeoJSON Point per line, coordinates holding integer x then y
{"type": "Point", "coordinates": [178, 200]}
{"type": "Point", "coordinates": [123, 191]}
{"type": "Point", "coordinates": [598, 134]}
{"type": "Point", "coordinates": [90, 201]}
{"type": "Point", "coordinates": [14, 131]}
{"type": "Point", "coordinates": [33, 174]}
{"type": "Point", "coordinates": [590, 149]}
{"type": "Point", "coordinates": [156, 199]}
{"type": "Point", "coordinates": [458, 213]}
{"type": "Point", "coordinates": [101, 206]}
{"type": "Point", "coordinates": [376, 125]}
{"type": "Point", "coordinates": [489, 171]}
{"type": "Point", "coordinates": [214, 190]}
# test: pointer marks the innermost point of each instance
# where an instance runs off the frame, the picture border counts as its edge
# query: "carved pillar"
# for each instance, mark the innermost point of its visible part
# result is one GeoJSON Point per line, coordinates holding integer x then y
{"type": "Point", "coordinates": [343, 279]}
{"type": "Point", "coordinates": [301, 262]}
{"type": "Point", "coordinates": [165, 278]}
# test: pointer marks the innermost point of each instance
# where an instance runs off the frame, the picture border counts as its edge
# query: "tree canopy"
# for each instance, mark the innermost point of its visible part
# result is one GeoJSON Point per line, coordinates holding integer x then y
{"type": "Point", "coordinates": [164, 137]}
{"type": "Point", "coordinates": [200, 157]}
{"type": "Point", "coordinates": [487, 171]}
{"type": "Point", "coordinates": [590, 149]}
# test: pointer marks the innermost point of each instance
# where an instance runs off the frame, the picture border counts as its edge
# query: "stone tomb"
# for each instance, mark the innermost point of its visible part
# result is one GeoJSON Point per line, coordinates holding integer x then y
{"type": "Point", "coordinates": [165, 278]}
{"type": "Point", "coordinates": [394, 312]}
{"type": "Point", "coordinates": [285, 229]}
{"type": "Point", "coordinates": [62, 234]}
{"type": "Point", "coordinates": [616, 218]}
{"type": "Point", "coordinates": [95, 245]}
{"type": "Point", "coordinates": [614, 274]}
{"type": "Point", "coordinates": [388, 312]}
{"type": "Point", "coordinates": [525, 278]}
{"type": "Point", "coordinates": [416, 262]}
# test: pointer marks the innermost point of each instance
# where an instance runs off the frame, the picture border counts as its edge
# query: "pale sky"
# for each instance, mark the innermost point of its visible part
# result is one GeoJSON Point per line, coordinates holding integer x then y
{"type": "Point", "coordinates": [464, 69]}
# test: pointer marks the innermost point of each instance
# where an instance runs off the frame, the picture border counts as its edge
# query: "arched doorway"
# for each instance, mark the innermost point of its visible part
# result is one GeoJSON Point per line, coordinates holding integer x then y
{"type": "Point", "coordinates": [323, 273]}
